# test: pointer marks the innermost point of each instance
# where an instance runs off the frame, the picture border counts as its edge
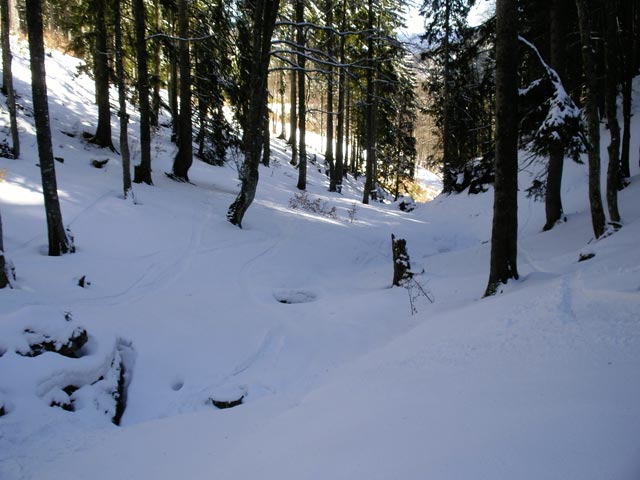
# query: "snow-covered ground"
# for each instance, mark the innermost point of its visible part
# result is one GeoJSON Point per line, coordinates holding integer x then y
{"type": "Point", "coordinates": [295, 313]}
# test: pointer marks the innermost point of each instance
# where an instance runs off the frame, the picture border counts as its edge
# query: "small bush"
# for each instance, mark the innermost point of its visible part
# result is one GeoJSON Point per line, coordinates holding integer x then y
{"type": "Point", "coordinates": [301, 201]}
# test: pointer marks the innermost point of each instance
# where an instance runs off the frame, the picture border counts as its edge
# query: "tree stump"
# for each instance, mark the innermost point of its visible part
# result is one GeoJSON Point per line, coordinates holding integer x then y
{"type": "Point", "coordinates": [401, 264]}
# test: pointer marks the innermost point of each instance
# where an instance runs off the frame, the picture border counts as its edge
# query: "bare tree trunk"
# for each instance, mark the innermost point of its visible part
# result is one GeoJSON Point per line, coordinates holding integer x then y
{"type": "Point", "coordinates": [173, 84]}
{"type": "Point", "coordinates": [59, 243]}
{"type": "Point", "coordinates": [370, 111]}
{"type": "Point", "coordinates": [122, 100]}
{"type": "Point", "coordinates": [143, 171]}
{"type": "Point", "coordinates": [102, 137]}
{"type": "Point", "coordinates": [448, 174]}
{"type": "Point", "coordinates": [611, 97]}
{"type": "Point", "coordinates": [504, 233]}
{"type": "Point", "coordinates": [155, 96]}
{"type": "Point", "coordinates": [8, 78]}
{"type": "Point", "coordinates": [553, 197]}
{"type": "Point", "coordinates": [281, 91]}
{"type": "Point", "coordinates": [626, 136]}
{"type": "Point", "coordinates": [340, 133]}
{"type": "Point", "coordinates": [184, 157]}
{"type": "Point", "coordinates": [302, 101]}
{"type": "Point", "coordinates": [333, 178]}
{"type": "Point", "coordinates": [293, 119]}
{"type": "Point", "coordinates": [14, 17]}
{"type": "Point", "coordinates": [266, 140]}
{"type": "Point", "coordinates": [263, 22]}
{"type": "Point", "coordinates": [591, 107]}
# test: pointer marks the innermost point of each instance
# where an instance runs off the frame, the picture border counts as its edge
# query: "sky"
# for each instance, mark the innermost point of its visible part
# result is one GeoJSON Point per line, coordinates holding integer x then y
{"type": "Point", "coordinates": [415, 22]}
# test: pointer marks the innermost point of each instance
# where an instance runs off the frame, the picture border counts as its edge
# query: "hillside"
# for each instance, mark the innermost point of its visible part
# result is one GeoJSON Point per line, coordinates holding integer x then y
{"type": "Point", "coordinates": [295, 314]}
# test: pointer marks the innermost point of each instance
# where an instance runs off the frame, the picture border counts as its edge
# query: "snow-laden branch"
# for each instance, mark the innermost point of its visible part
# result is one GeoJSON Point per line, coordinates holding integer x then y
{"type": "Point", "coordinates": [563, 120]}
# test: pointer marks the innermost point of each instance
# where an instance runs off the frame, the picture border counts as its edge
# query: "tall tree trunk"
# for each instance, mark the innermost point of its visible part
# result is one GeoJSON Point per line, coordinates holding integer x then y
{"type": "Point", "coordinates": [448, 174]}
{"type": "Point", "coordinates": [155, 96]}
{"type": "Point", "coordinates": [122, 100]}
{"type": "Point", "coordinates": [504, 233]}
{"type": "Point", "coordinates": [8, 77]}
{"type": "Point", "coordinates": [591, 106]}
{"type": "Point", "coordinates": [349, 159]}
{"type": "Point", "coordinates": [611, 97]}
{"type": "Point", "coordinates": [293, 119]}
{"type": "Point", "coordinates": [184, 158]}
{"type": "Point", "coordinates": [102, 137]}
{"type": "Point", "coordinates": [333, 180]}
{"type": "Point", "coordinates": [14, 16]}
{"type": "Point", "coordinates": [263, 22]}
{"type": "Point", "coordinates": [553, 198]}
{"type": "Point", "coordinates": [340, 133]}
{"type": "Point", "coordinates": [281, 91]}
{"type": "Point", "coordinates": [302, 101]}
{"type": "Point", "coordinates": [370, 110]}
{"type": "Point", "coordinates": [143, 171]}
{"type": "Point", "coordinates": [173, 82]}
{"type": "Point", "coordinates": [59, 243]}
{"type": "Point", "coordinates": [266, 139]}
{"type": "Point", "coordinates": [627, 92]}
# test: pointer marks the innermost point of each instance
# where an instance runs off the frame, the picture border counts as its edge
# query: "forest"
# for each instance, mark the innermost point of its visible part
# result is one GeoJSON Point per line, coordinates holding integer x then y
{"type": "Point", "coordinates": [341, 71]}
{"type": "Point", "coordinates": [294, 239]}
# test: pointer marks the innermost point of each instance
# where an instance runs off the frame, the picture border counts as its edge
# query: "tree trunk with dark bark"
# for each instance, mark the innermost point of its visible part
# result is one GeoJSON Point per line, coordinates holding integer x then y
{"type": "Point", "coordinates": [264, 13]}
{"type": "Point", "coordinates": [593, 119]}
{"type": "Point", "coordinates": [504, 233]}
{"type": "Point", "coordinates": [155, 95]}
{"type": "Point", "coordinates": [553, 197]}
{"type": "Point", "coordinates": [626, 136]}
{"type": "Point", "coordinates": [302, 101]}
{"type": "Point", "coordinates": [184, 157]}
{"type": "Point", "coordinates": [369, 183]}
{"type": "Point", "coordinates": [8, 78]}
{"type": "Point", "coordinates": [333, 180]}
{"type": "Point", "coordinates": [102, 137]}
{"type": "Point", "coordinates": [266, 140]}
{"type": "Point", "coordinates": [340, 115]}
{"type": "Point", "coordinates": [173, 84]}
{"type": "Point", "coordinates": [59, 242]}
{"type": "Point", "coordinates": [122, 100]}
{"type": "Point", "coordinates": [611, 97]}
{"type": "Point", "coordinates": [293, 119]}
{"type": "Point", "coordinates": [143, 171]}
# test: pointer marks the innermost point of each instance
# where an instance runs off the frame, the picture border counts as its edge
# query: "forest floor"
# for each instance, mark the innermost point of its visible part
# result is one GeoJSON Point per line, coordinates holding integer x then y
{"type": "Point", "coordinates": [340, 378]}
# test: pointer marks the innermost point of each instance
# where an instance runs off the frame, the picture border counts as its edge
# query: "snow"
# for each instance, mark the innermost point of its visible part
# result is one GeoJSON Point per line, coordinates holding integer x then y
{"type": "Point", "coordinates": [295, 313]}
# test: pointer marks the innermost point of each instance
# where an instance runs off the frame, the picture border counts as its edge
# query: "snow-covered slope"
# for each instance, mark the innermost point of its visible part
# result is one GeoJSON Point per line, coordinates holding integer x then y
{"type": "Point", "coordinates": [295, 314]}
